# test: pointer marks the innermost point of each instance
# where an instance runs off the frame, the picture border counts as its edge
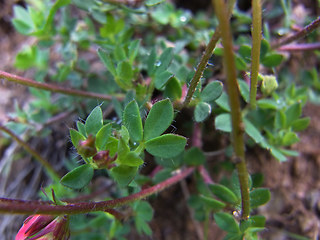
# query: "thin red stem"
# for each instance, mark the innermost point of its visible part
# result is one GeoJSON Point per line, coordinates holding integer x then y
{"type": "Point", "coordinates": [13, 206]}
{"type": "Point", "coordinates": [300, 34]}
{"type": "Point", "coordinates": [54, 88]}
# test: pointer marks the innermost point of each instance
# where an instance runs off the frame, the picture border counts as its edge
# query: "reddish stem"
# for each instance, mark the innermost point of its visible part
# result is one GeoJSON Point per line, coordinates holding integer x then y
{"type": "Point", "coordinates": [300, 34]}
{"type": "Point", "coordinates": [300, 47]}
{"type": "Point", "coordinates": [53, 88]}
{"type": "Point", "coordinates": [13, 206]}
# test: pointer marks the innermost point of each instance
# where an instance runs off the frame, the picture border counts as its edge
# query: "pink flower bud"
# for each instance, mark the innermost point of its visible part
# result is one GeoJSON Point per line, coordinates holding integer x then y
{"type": "Point", "coordinates": [44, 227]}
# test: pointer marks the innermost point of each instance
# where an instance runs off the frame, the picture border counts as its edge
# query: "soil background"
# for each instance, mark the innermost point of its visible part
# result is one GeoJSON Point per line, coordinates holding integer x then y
{"type": "Point", "coordinates": [295, 185]}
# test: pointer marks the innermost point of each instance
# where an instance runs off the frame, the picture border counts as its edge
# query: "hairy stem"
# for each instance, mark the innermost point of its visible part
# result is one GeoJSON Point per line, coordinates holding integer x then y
{"type": "Point", "coordinates": [201, 67]}
{"type": "Point", "coordinates": [300, 34]}
{"type": "Point", "coordinates": [234, 100]}
{"type": "Point", "coordinates": [54, 88]}
{"type": "Point", "coordinates": [12, 206]}
{"type": "Point", "coordinates": [255, 54]}
{"type": "Point", "coordinates": [204, 59]}
{"type": "Point", "coordinates": [48, 167]}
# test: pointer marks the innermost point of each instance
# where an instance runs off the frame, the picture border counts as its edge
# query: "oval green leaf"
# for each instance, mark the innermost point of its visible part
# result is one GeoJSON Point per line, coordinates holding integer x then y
{"type": "Point", "coordinates": [78, 177]}
{"type": "Point", "coordinates": [123, 174]}
{"type": "Point", "coordinates": [212, 91]}
{"type": "Point", "coordinates": [211, 203]}
{"type": "Point", "coordinates": [259, 196]}
{"type": "Point", "coordinates": [224, 193]}
{"type": "Point", "coordinates": [226, 222]}
{"type": "Point", "coordinates": [132, 121]}
{"type": "Point", "coordinates": [94, 121]}
{"type": "Point", "coordinates": [158, 119]}
{"type": "Point", "coordinates": [103, 136]}
{"type": "Point", "coordinates": [223, 122]}
{"type": "Point", "coordinates": [194, 157]}
{"type": "Point", "coordinates": [202, 111]}
{"type": "Point", "coordinates": [131, 159]}
{"type": "Point", "coordinates": [166, 146]}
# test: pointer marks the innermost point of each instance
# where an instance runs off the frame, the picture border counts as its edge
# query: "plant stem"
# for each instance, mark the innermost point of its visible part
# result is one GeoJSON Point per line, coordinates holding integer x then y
{"type": "Point", "coordinates": [234, 100]}
{"type": "Point", "coordinates": [47, 166]}
{"type": "Point", "coordinates": [54, 88]}
{"type": "Point", "coordinates": [255, 53]}
{"type": "Point", "coordinates": [300, 34]}
{"type": "Point", "coordinates": [204, 59]}
{"type": "Point", "coordinates": [201, 67]}
{"type": "Point", "coordinates": [300, 47]}
{"type": "Point", "coordinates": [13, 206]}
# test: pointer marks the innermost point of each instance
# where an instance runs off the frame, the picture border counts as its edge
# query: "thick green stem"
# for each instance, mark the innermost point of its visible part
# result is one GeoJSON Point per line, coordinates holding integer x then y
{"type": "Point", "coordinates": [13, 206]}
{"type": "Point", "coordinates": [48, 167]}
{"type": "Point", "coordinates": [54, 88]}
{"type": "Point", "coordinates": [255, 54]}
{"type": "Point", "coordinates": [234, 101]}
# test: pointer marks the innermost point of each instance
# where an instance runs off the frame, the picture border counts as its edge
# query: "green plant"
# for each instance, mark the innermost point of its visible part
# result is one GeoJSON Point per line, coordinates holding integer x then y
{"type": "Point", "coordinates": [144, 85]}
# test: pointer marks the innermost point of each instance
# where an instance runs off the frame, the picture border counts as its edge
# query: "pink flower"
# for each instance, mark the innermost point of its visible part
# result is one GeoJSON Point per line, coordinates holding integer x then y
{"type": "Point", "coordinates": [44, 227]}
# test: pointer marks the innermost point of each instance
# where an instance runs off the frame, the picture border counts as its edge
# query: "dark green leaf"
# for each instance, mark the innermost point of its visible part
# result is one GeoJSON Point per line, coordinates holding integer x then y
{"type": "Point", "coordinates": [202, 111]}
{"type": "Point", "coordinates": [165, 60]}
{"type": "Point", "coordinates": [173, 89]}
{"type": "Point", "coordinates": [162, 78]}
{"type": "Point", "coordinates": [212, 91]}
{"type": "Point", "coordinates": [158, 119]}
{"type": "Point", "coordinates": [103, 136]}
{"type": "Point", "coordinates": [226, 222]}
{"type": "Point", "coordinates": [223, 122]}
{"type": "Point", "coordinates": [245, 52]}
{"type": "Point", "coordinates": [132, 121]}
{"type": "Point", "coordinates": [272, 60]}
{"type": "Point", "coordinates": [252, 131]}
{"type": "Point", "coordinates": [78, 177]}
{"type": "Point", "coordinates": [151, 62]}
{"type": "Point", "coordinates": [224, 193]}
{"type": "Point", "coordinates": [211, 203]}
{"type": "Point", "coordinates": [107, 61]}
{"type": "Point", "coordinates": [194, 157]}
{"type": "Point", "coordinates": [94, 121]}
{"type": "Point", "coordinates": [166, 146]}
{"type": "Point", "coordinates": [144, 210]}
{"type": "Point", "coordinates": [123, 174]}
{"type": "Point", "coordinates": [265, 46]}
{"type": "Point", "coordinates": [223, 102]}
{"type": "Point", "coordinates": [244, 90]}
{"type": "Point", "coordinates": [240, 64]}
{"type": "Point", "coordinates": [259, 196]}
